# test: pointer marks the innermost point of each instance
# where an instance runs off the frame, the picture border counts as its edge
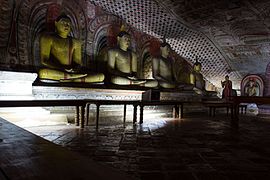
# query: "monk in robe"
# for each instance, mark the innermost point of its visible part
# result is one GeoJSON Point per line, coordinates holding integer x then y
{"type": "Point", "coordinates": [227, 88]}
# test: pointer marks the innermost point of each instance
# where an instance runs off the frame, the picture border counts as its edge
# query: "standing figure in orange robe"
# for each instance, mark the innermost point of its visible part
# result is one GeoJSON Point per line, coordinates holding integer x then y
{"type": "Point", "coordinates": [227, 85]}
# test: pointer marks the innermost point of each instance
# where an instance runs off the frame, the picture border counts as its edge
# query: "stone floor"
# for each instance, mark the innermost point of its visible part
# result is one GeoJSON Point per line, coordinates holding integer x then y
{"type": "Point", "coordinates": [25, 156]}
{"type": "Point", "coordinates": [197, 147]}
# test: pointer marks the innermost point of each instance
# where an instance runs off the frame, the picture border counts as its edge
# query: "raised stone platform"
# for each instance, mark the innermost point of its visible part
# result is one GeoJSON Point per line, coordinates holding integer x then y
{"type": "Point", "coordinates": [105, 93]}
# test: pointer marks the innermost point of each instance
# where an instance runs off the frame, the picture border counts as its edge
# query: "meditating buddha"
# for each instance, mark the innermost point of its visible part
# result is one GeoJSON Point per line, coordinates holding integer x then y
{"type": "Point", "coordinates": [196, 78]}
{"type": "Point", "coordinates": [251, 89]}
{"type": "Point", "coordinates": [61, 56]}
{"type": "Point", "coordinates": [163, 70]}
{"type": "Point", "coordinates": [122, 64]}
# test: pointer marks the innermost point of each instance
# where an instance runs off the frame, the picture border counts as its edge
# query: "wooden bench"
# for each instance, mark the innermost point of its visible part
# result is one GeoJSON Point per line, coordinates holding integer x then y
{"type": "Point", "coordinates": [237, 100]}
{"type": "Point", "coordinates": [99, 103]}
{"type": "Point", "coordinates": [175, 104]}
{"type": "Point", "coordinates": [243, 108]}
{"type": "Point", "coordinates": [79, 104]}
{"type": "Point", "coordinates": [213, 105]}
{"type": "Point", "coordinates": [135, 104]}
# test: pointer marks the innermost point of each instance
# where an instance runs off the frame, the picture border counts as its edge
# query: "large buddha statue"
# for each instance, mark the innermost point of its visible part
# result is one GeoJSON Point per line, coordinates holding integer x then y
{"type": "Point", "coordinates": [163, 69]}
{"type": "Point", "coordinates": [61, 56]}
{"type": "Point", "coordinates": [122, 64]}
{"type": "Point", "coordinates": [196, 78]}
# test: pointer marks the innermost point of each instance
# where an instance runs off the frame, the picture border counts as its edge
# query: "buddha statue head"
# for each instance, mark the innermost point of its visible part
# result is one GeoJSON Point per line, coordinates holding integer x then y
{"type": "Point", "coordinates": [63, 25]}
{"type": "Point", "coordinates": [165, 49]}
{"type": "Point", "coordinates": [124, 40]}
{"type": "Point", "coordinates": [251, 82]}
{"type": "Point", "coordinates": [197, 66]}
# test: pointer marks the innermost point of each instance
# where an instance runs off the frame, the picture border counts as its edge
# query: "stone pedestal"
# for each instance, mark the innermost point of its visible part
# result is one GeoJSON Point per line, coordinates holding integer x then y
{"type": "Point", "coordinates": [180, 96]}
{"type": "Point", "coordinates": [18, 86]}
{"type": "Point", "coordinates": [47, 92]}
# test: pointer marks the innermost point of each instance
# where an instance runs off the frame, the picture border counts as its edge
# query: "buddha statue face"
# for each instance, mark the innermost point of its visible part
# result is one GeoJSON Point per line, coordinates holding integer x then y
{"type": "Point", "coordinates": [124, 41]}
{"type": "Point", "coordinates": [165, 51]}
{"type": "Point", "coordinates": [251, 83]}
{"type": "Point", "coordinates": [63, 27]}
{"type": "Point", "coordinates": [197, 67]}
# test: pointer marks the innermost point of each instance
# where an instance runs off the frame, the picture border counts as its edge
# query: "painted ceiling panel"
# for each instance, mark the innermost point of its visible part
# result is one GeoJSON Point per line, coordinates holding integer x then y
{"type": "Point", "coordinates": [239, 29]}
{"type": "Point", "coordinates": [157, 19]}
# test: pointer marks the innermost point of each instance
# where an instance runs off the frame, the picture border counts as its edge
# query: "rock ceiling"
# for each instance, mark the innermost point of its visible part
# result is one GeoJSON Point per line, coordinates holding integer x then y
{"type": "Point", "coordinates": [228, 36]}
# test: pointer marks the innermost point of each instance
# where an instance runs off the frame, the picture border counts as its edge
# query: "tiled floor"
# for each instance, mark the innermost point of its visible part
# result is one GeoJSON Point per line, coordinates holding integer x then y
{"type": "Point", "coordinates": [198, 147]}
{"type": "Point", "coordinates": [25, 156]}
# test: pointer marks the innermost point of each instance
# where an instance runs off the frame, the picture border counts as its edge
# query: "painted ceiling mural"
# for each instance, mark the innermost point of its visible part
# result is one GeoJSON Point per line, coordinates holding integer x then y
{"type": "Point", "coordinates": [240, 29]}
{"type": "Point", "coordinates": [157, 19]}
{"type": "Point", "coordinates": [227, 37]}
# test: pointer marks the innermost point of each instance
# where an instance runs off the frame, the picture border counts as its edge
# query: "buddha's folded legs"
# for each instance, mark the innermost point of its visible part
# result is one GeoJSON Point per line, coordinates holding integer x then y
{"type": "Point", "coordinates": [91, 78]}
{"type": "Point", "coordinates": [151, 83]}
{"type": "Point", "coordinates": [57, 75]}
{"type": "Point", "coordinates": [166, 85]}
{"type": "Point", "coordinates": [52, 74]}
{"type": "Point", "coordinates": [121, 80]}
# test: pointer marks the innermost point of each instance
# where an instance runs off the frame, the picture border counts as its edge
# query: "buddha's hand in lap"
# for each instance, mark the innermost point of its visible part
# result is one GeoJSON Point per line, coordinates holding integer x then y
{"type": "Point", "coordinates": [75, 75]}
{"type": "Point", "coordinates": [70, 70]}
{"type": "Point", "coordinates": [133, 78]}
{"type": "Point", "coordinates": [138, 81]}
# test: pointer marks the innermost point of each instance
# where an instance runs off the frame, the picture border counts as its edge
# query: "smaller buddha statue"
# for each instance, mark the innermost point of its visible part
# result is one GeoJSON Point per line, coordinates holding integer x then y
{"type": "Point", "coordinates": [122, 64]}
{"type": "Point", "coordinates": [251, 89]}
{"type": "Point", "coordinates": [196, 78]}
{"type": "Point", "coordinates": [198, 82]}
{"type": "Point", "coordinates": [163, 69]}
{"type": "Point", "coordinates": [61, 56]}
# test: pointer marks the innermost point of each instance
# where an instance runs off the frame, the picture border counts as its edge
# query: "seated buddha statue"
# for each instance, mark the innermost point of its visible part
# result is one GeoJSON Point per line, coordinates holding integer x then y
{"type": "Point", "coordinates": [196, 78]}
{"type": "Point", "coordinates": [198, 82]}
{"type": "Point", "coordinates": [251, 89]}
{"type": "Point", "coordinates": [122, 64]}
{"type": "Point", "coordinates": [61, 56]}
{"type": "Point", "coordinates": [163, 69]}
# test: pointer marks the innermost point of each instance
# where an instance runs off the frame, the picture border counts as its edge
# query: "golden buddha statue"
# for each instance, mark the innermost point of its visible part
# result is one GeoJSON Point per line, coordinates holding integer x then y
{"type": "Point", "coordinates": [163, 70]}
{"type": "Point", "coordinates": [196, 78]}
{"type": "Point", "coordinates": [60, 55]}
{"type": "Point", "coordinates": [122, 64]}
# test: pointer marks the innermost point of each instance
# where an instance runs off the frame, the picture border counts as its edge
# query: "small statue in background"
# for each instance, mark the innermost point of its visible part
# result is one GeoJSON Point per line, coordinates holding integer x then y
{"type": "Point", "coordinates": [227, 85]}
{"type": "Point", "coordinates": [61, 56]}
{"type": "Point", "coordinates": [196, 78]}
{"type": "Point", "coordinates": [251, 89]}
{"type": "Point", "coordinates": [122, 64]}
